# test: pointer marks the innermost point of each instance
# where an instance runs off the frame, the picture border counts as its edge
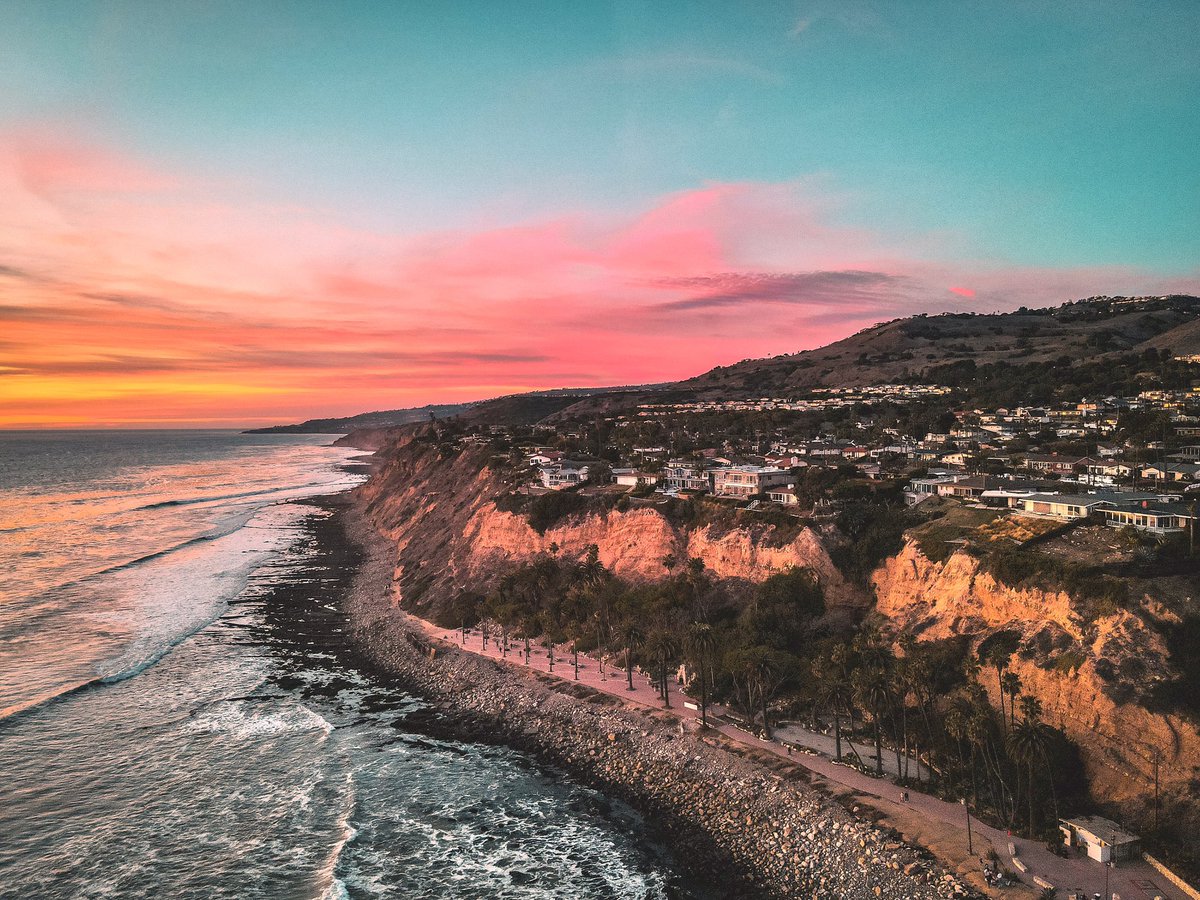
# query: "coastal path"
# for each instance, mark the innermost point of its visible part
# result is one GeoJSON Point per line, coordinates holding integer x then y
{"type": "Point", "coordinates": [1131, 881]}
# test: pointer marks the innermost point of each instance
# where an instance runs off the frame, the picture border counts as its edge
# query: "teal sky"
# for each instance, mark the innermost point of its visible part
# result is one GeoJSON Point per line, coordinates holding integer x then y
{"type": "Point", "coordinates": [229, 212]}
{"type": "Point", "coordinates": [1038, 134]}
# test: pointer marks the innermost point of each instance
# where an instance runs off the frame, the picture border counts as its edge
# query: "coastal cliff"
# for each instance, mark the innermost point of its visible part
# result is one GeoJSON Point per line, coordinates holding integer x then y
{"type": "Point", "coordinates": [442, 511]}
{"type": "Point", "coordinates": [1092, 676]}
{"type": "Point", "coordinates": [458, 525]}
{"type": "Point", "coordinates": [747, 822]}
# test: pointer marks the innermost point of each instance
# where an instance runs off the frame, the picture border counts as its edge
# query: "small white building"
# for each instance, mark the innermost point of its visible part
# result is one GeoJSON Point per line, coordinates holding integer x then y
{"type": "Point", "coordinates": [1102, 839]}
{"type": "Point", "coordinates": [1063, 507]}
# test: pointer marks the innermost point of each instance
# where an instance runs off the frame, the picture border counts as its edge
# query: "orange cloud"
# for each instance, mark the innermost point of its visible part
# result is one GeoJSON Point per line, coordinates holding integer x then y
{"type": "Point", "coordinates": [131, 296]}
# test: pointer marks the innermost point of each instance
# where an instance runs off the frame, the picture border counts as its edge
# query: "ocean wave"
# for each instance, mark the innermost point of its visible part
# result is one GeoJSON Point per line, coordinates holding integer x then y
{"type": "Point", "coordinates": [261, 492]}
{"type": "Point", "coordinates": [332, 887]}
{"type": "Point", "coordinates": [24, 707]}
{"type": "Point", "coordinates": [237, 719]}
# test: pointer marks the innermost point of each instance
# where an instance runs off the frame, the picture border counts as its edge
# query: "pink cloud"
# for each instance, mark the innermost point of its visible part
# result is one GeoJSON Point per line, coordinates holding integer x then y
{"type": "Point", "coordinates": [120, 277]}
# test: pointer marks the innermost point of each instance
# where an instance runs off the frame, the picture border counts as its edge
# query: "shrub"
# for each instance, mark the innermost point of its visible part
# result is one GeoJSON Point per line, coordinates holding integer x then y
{"type": "Point", "coordinates": [547, 510]}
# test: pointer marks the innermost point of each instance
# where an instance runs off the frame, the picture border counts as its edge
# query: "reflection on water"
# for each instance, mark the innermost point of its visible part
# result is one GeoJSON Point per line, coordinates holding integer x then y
{"type": "Point", "coordinates": [242, 749]}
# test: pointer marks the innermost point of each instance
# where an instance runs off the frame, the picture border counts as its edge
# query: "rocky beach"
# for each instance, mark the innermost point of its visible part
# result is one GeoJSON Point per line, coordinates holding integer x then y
{"type": "Point", "coordinates": [744, 820]}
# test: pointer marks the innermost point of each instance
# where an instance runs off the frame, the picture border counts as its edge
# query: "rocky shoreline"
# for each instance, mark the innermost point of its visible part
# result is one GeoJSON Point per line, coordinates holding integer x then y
{"type": "Point", "coordinates": [749, 822]}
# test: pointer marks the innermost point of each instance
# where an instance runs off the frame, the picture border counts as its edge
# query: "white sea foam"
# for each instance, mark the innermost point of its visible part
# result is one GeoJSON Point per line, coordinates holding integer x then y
{"type": "Point", "coordinates": [243, 720]}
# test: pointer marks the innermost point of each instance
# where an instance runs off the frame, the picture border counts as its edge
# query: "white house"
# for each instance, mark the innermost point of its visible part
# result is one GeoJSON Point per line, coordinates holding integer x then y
{"type": "Point", "coordinates": [746, 481]}
{"type": "Point", "coordinates": [563, 474]}
{"type": "Point", "coordinates": [1063, 507]}
{"type": "Point", "coordinates": [1102, 839]}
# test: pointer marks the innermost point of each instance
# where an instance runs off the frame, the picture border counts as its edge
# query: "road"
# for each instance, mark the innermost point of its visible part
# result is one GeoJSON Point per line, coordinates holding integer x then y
{"type": "Point", "coordinates": [1131, 881]}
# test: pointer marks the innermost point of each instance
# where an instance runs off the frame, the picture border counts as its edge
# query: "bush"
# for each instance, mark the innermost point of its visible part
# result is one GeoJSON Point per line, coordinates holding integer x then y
{"type": "Point", "coordinates": [547, 510]}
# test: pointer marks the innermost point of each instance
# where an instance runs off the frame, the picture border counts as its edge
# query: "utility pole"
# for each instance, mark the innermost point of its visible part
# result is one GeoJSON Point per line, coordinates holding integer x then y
{"type": "Point", "coordinates": [575, 656]}
{"type": "Point", "coordinates": [1157, 758]}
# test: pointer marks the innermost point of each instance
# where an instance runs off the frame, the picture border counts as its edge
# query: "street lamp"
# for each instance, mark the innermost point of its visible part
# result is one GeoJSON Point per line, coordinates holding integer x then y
{"type": "Point", "coordinates": [970, 845]}
{"type": "Point", "coordinates": [1107, 868]}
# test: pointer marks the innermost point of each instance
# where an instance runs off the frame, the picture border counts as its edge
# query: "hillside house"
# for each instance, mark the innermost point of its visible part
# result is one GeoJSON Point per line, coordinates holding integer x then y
{"type": "Point", "coordinates": [557, 476]}
{"type": "Point", "coordinates": [685, 475]}
{"type": "Point", "coordinates": [1055, 464]}
{"type": "Point", "coordinates": [1179, 471]}
{"type": "Point", "coordinates": [1063, 507]}
{"type": "Point", "coordinates": [784, 496]}
{"type": "Point", "coordinates": [633, 477]}
{"type": "Point", "coordinates": [969, 487]}
{"type": "Point", "coordinates": [1154, 516]}
{"type": "Point", "coordinates": [747, 481]}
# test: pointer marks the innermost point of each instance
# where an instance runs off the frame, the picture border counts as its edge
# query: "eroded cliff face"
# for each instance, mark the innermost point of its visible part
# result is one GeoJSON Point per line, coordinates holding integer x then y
{"type": "Point", "coordinates": [1088, 676]}
{"type": "Point", "coordinates": [440, 511]}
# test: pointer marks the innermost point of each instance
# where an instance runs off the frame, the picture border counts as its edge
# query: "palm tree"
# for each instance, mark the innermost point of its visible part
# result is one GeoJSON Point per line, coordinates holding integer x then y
{"type": "Point", "coordinates": [871, 686]}
{"type": "Point", "coordinates": [999, 658]}
{"type": "Point", "coordinates": [633, 640]}
{"type": "Point", "coordinates": [703, 644]}
{"type": "Point", "coordinates": [591, 570]}
{"type": "Point", "coordinates": [662, 647]}
{"type": "Point", "coordinates": [1010, 683]}
{"type": "Point", "coordinates": [1025, 746]}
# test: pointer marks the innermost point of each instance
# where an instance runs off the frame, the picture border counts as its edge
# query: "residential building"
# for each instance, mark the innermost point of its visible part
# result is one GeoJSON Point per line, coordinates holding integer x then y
{"type": "Point", "coordinates": [785, 496]}
{"type": "Point", "coordinates": [1155, 516]}
{"type": "Point", "coordinates": [1059, 465]}
{"type": "Point", "coordinates": [1170, 471]}
{"type": "Point", "coordinates": [1064, 507]}
{"type": "Point", "coordinates": [557, 476]}
{"type": "Point", "coordinates": [685, 475]}
{"type": "Point", "coordinates": [746, 481]}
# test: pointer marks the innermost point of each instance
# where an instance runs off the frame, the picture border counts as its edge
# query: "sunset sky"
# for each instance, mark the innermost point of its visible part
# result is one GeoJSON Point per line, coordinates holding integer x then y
{"type": "Point", "coordinates": [242, 213]}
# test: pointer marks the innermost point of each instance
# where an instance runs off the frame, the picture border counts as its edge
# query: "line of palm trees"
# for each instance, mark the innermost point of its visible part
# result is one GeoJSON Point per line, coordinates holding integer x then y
{"type": "Point", "coordinates": [922, 702]}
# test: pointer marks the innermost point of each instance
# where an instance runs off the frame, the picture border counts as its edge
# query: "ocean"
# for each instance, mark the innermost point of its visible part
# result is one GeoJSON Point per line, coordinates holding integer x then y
{"type": "Point", "coordinates": [182, 715]}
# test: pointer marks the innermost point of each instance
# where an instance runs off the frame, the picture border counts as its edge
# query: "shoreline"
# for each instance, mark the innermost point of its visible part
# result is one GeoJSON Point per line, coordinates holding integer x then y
{"type": "Point", "coordinates": [751, 823]}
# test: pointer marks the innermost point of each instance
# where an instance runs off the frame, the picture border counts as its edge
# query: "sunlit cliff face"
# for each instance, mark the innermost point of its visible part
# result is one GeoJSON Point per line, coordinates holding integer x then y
{"type": "Point", "coordinates": [135, 297]}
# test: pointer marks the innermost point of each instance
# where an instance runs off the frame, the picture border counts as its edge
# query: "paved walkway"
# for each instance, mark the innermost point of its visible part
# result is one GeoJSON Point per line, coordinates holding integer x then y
{"type": "Point", "coordinates": [1132, 881]}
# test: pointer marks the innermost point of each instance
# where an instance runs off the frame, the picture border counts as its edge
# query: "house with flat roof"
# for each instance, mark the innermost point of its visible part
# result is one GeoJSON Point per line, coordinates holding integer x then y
{"type": "Point", "coordinates": [1155, 515]}
{"type": "Point", "coordinates": [685, 475]}
{"type": "Point", "coordinates": [1063, 507]}
{"type": "Point", "coordinates": [746, 481]}
{"type": "Point", "coordinates": [557, 476]}
{"type": "Point", "coordinates": [1101, 839]}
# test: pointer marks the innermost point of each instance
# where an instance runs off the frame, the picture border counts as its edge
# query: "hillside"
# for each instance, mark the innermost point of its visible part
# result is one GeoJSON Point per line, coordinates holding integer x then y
{"type": "Point", "coordinates": [906, 349]}
{"type": "Point", "coordinates": [382, 419]}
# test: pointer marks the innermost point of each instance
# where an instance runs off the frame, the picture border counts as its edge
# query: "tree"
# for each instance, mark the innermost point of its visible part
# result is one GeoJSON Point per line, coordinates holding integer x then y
{"type": "Point", "coordinates": [872, 689]}
{"type": "Point", "coordinates": [703, 645]}
{"type": "Point", "coordinates": [1026, 747]}
{"type": "Point", "coordinates": [1010, 683]}
{"type": "Point", "coordinates": [633, 640]}
{"type": "Point", "coordinates": [662, 648]}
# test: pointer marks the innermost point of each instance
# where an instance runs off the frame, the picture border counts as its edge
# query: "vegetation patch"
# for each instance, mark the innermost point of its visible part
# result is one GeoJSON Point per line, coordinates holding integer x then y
{"type": "Point", "coordinates": [1095, 594]}
{"type": "Point", "coordinates": [959, 526]}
